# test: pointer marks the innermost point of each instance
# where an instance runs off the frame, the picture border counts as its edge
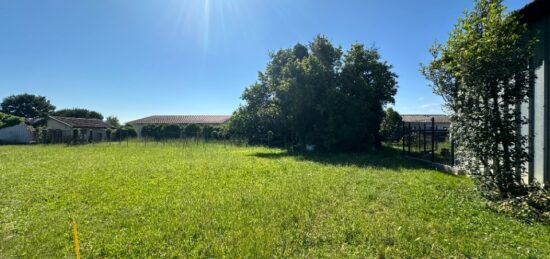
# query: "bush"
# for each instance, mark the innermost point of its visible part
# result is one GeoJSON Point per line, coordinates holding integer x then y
{"type": "Point", "coordinates": [207, 132]}
{"type": "Point", "coordinates": [171, 131]}
{"type": "Point", "coordinates": [125, 132]}
{"type": "Point", "coordinates": [192, 130]}
{"type": "Point", "coordinates": [7, 120]}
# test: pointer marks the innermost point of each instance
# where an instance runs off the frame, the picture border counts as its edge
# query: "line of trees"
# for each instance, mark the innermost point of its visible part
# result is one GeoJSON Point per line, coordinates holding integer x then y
{"type": "Point", "coordinates": [316, 94]}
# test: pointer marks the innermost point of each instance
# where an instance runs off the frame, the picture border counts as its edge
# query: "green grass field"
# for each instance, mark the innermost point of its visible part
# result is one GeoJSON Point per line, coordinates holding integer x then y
{"type": "Point", "coordinates": [213, 201]}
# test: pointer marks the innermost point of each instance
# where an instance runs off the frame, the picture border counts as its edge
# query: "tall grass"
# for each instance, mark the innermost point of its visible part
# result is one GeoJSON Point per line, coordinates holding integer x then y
{"type": "Point", "coordinates": [199, 199]}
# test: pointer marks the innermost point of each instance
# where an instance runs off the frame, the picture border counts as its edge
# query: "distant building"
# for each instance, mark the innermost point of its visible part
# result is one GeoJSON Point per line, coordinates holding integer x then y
{"type": "Point", "coordinates": [181, 120]}
{"type": "Point", "coordinates": [17, 134]}
{"type": "Point", "coordinates": [61, 129]}
{"type": "Point", "coordinates": [537, 17]}
{"type": "Point", "coordinates": [419, 121]}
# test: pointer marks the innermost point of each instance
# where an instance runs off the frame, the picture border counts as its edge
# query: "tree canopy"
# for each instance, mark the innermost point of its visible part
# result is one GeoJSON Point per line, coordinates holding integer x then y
{"type": "Point", "coordinates": [27, 106]}
{"type": "Point", "coordinates": [78, 113]}
{"type": "Point", "coordinates": [317, 95]}
{"type": "Point", "coordinates": [113, 121]}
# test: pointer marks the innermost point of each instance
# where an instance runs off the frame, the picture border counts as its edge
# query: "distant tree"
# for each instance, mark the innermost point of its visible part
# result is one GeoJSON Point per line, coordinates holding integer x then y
{"type": "Point", "coordinates": [113, 121]}
{"type": "Point", "coordinates": [482, 72]}
{"type": "Point", "coordinates": [390, 129]}
{"type": "Point", "coordinates": [27, 106]}
{"type": "Point", "coordinates": [78, 113]}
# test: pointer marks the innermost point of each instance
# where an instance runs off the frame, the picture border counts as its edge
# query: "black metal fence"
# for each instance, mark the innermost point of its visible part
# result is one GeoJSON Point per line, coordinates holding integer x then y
{"type": "Point", "coordinates": [428, 142]}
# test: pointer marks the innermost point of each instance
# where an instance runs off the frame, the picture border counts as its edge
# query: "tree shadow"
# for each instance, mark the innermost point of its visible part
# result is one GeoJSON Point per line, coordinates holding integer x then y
{"type": "Point", "coordinates": [387, 158]}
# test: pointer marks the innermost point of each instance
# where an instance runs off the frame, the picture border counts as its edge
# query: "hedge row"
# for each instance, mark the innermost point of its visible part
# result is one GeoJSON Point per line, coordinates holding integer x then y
{"type": "Point", "coordinates": [174, 131]}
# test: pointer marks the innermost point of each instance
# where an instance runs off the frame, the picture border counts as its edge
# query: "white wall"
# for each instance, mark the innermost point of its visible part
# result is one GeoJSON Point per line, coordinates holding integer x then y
{"type": "Point", "coordinates": [18, 134]}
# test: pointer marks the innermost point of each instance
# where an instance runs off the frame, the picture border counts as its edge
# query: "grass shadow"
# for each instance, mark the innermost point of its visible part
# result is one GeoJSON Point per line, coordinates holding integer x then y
{"type": "Point", "coordinates": [387, 158]}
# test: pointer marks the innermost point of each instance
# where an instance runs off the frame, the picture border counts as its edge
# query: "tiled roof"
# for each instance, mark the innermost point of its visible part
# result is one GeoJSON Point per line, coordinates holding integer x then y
{"type": "Point", "coordinates": [82, 123]}
{"type": "Point", "coordinates": [183, 119]}
{"type": "Point", "coordinates": [427, 118]}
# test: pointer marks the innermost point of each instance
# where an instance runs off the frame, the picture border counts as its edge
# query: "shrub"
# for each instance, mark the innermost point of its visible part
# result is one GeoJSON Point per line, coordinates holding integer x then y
{"type": "Point", "coordinates": [7, 120]}
{"type": "Point", "coordinates": [207, 131]}
{"type": "Point", "coordinates": [171, 131]}
{"type": "Point", "coordinates": [192, 130]}
{"type": "Point", "coordinates": [125, 132]}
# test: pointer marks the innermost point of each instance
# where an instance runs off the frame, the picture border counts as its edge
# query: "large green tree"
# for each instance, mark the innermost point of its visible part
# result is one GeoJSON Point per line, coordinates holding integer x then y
{"type": "Point", "coordinates": [78, 113]}
{"type": "Point", "coordinates": [27, 105]}
{"type": "Point", "coordinates": [482, 72]}
{"type": "Point", "coordinates": [315, 95]}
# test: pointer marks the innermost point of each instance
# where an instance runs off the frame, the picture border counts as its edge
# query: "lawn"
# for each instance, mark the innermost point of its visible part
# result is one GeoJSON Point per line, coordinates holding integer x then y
{"type": "Point", "coordinates": [213, 200]}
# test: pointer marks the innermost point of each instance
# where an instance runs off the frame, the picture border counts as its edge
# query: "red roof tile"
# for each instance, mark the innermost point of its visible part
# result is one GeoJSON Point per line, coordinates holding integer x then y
{"type": "Point", "coordinates": [82, 123]}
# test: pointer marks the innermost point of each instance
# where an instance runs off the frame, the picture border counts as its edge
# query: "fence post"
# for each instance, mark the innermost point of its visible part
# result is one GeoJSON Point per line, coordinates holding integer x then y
{"type": "Point", "coordinates": [418, 130]}
{"type": "Point", "coordinates": [452, 151]}
{"type": "Point", "coordinates": [424, 135]}
{"type": "Point", "coordinates": [403, 136]}
{"type": "Point", "coordinates": [409, 139]}
{"type": "Point", "coordinates": [433, 139]}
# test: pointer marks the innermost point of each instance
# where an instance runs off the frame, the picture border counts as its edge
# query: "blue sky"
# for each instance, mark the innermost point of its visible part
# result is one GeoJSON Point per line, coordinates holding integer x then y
{"type": "Point", "coordinates": [134, 58]}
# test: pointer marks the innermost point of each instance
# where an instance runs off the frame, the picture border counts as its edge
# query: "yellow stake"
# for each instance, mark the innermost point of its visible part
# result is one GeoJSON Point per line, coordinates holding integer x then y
{"type": "Point", "coordinates": [75, 237]}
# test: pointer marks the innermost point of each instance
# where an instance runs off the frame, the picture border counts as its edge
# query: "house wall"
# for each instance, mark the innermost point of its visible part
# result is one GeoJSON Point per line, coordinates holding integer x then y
{"type": "Point", "coordinates": [138, 128]}
{"type": "Point", "coordinates": [18, 134]}
{"type": "Point", "coordinates": [438, 125]}
{"type": "Point", "coordinates": [67, 132]}
{"type": "Point", "coordinates": [538, 106]}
